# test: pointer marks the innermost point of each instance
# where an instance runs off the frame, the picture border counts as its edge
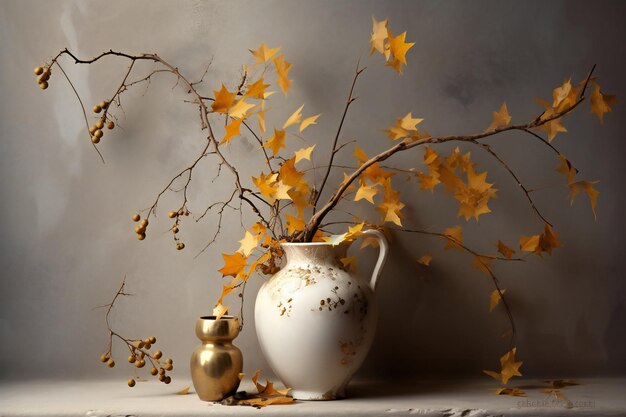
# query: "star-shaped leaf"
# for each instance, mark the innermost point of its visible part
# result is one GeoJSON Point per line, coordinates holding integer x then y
{"type": "Point", "coordinates": [233, 264]}
{"type": "Point", "coordinates": [232, 130]}
{"type": "Point", "coordinates": [500, 118]}
{"type": "Point", "coordinates": [296, 117]}
{"type": "Point", "coordinates": [304, 153]}
{"type": "Point", "coordinates": [282, 70]}
{"type": "Point", "coordinates": [312, 120]}
{"type": "Point", "coordinates": [263, 53]}
{"type": "Point", "coordinates": [223, 100]}
{"type": "Point", "coordinates": [276, 142]}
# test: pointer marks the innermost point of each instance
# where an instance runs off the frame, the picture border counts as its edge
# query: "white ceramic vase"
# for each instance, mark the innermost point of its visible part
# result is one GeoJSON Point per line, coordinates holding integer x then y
{"type": "Point", "coordinates": [315, 320]}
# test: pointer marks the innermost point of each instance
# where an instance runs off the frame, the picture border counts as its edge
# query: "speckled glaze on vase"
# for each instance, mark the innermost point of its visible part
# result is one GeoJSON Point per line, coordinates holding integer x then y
{"type": "Point", "coordinates": [315, 320]}
{"type": "Point", "coordinates": [216, 363]}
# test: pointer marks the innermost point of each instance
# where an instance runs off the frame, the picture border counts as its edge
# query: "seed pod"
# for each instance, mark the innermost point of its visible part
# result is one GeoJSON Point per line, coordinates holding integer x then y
{"type": "Point", "coordinates": [172, 214]}
{"type": "Point", "coordinates": [97, 109]}
{"type": "Point", "coordinates": [136, 217]}
{"type": "Point", "coordinates": [110, 363]}
{"type": "Point", "coordinates": [175, 229]}
{"type": "Point", "coordinates": [161, 377]}
{"type": "Point", "coordinates": [95, 139]}
{"type": "Point", "coordinates": [141, 363]}
{"type": "Point", "coordinates": [43, 85]}
{"type": "Point", "coordinates": [168, 367]}
{"type": "Point", "coordinates": [157, 354]}
{"type": "Point", "coordinates": [167, 380]}
{"type": "Point", "coordinates": [139, 230]}
{"type": "Point", "coordinates": [103, 104]}
{"type": "Point", "coordinates": [141, 236]}
{"type": "Point", "coordinates": [169, 360]}
{"type": "Point", "coordinates": [154, 371]}
{"type": "Point", "coordinates": [92, 129]}
{"type": "Point", "coordinates": [144, 223]}
{"type": "Point", "coordinates": [99, 124]}
{"type": "Point", "coordinates": [98, 133]}
{"type": "Point", "coordinates": [110, 125]}
{"type": "Point", "coordinates": [38, 70]}
{"type": "Point", "coordinates": [131, 382]}
{"type": "Point", "coordinates": [152, 340]}
{"type": "Point", "coordinates": [104, 357]}
{"type": "Point", "coordinates": [161, 371]}
{"type": "Point", "coordinates": [132, 359]}
{"type": "Point", "coordinates": [148, 346]}
{"type": "Point", "coordinates": [180, 246]}
{"type": "Point", "coordinates": [43, 77]}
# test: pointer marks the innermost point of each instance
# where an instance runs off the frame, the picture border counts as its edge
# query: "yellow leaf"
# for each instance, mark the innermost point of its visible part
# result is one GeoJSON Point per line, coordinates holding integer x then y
{"type": "Point", "coordinates": [366, 192]}
{"type": "Point", "coordinates": [390, 206]}
{"type": "Point", "coordinates": [282, 70]}
{"type": "Point", "coordinates": [403, 127]}
{"type": "Point", "coordinates": [289, 174]}
{"type": "Point", "coordinates": [276, 142]}
{"type": "Point", "coordinates": [360, 155]}
{"type": "Point", "coordinates": [379, 35]}
{"type": "Point", "coordinates": [538, 244]}
{"type": "Point", "coordinates": [355, 231]}
{"type": "Point", "coordinates": [227, 289]}
{"type": "Point", "coordinates": [261, 119]}
{"type": "Point", "coordinates": [281, 191]}
{"type": "Point", "coordinates": [494, 299]}
{"type": "Point", "coordinates": [219, 311]}
{"type": "Point", "coordinates": [248, 244]}
{"type": "Point", "coordinates": [399, 47]}
{"type": "Point", "coordinates": [553, 127]}
{"type": "Point", "coordinates": [233, 264]}
{"type": "Point", "coordinates": [500, 118]}
{"type": "Point", "coordinates": [239, 109]}
{"type": "Point", "coordinates": [513, 392]}
{"type": "Point", "coordinates": [483, 264]}
{"type": "Point", "coordinates": [425, 260]}
{"type": "Point", "coordinates": [510, 368]}
{"type": "Point", "coordinates": [263, 53]}
{"type": "Point", "coordinates": [587, 188]}
{"type": "Point", "coordinates": [369, 241]}
{"type": "Point", "coordinates": [349, 263]}
{"type": "Point", "coordinates": [566, 168]}
{"type": "Point", "coordinates": [428, 182]}
{"type": "Point", "coordinates": [183, 391]}
{"type": "Point", "coordinates": [232, 129]}
{"type": "Point", "coordinates": [223, 100]}
{"type": "Point", "coordinates": [601, 103]}
{"type": "Point", "coordinates": [294, 224]}
{"type": "Point", "coordinates": [266, 185]}
{"type": "Point", "coordinates": [505, 250]}
{"type": "Point", "coordinates": [335, 239]}
{"type": "Point", "coordinates": [304, 153]}
{"type": "Point", "coordinates": [309, 121]}
{"type": "Point", "coordinates": [454, 237]}
{"type": "Point", "coordinates": [257, 89]}
{"type": "Point", "coordinates": [294, 118]}
{"type": "Point", "coordinates": [474, 197]}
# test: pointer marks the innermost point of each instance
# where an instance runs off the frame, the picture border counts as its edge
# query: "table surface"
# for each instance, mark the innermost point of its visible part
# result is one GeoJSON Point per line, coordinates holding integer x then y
{"type": "Point", "coordinates": [593, 397]}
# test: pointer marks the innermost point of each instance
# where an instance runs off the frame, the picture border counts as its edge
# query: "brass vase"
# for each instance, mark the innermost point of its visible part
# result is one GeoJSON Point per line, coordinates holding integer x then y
{"type": "Point", "coordinates": [216, 364]}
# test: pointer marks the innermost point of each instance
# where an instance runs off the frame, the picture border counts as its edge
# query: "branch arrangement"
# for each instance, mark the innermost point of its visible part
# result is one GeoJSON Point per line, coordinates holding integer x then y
{"type": "Point", "coordinates": [288, 207]}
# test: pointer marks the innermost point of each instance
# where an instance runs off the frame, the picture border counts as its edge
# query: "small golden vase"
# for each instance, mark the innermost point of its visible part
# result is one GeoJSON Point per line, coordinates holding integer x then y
{"type": "Point", "coordinates": [216, 363]}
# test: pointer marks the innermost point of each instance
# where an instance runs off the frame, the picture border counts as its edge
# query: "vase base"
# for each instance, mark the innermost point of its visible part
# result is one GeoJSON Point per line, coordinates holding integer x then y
{"type": "Point", "coordinates": [316, 396]}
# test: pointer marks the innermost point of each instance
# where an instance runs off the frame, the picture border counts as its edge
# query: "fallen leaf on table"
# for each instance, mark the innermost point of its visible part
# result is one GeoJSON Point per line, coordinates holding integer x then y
{"type": "Point", "coordinates": [183, 391]}
{"type": "Point", "coordinates": [513, 392]}
{"type": "Point", "coordinates": [510, 368]}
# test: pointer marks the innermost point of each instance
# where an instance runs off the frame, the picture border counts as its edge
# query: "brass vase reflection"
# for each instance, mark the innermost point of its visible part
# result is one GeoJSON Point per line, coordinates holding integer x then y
{"type": "Point", "coordinates": [216, 363]}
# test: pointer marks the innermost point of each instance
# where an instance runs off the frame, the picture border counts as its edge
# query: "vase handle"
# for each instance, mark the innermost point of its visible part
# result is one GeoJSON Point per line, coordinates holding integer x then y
{"type": "Point", "coordinates": [383, 247]}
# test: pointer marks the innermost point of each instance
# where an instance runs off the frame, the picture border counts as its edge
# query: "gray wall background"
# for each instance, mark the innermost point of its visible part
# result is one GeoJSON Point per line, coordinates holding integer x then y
{"type": "Point", "coordinates": [67, 235]}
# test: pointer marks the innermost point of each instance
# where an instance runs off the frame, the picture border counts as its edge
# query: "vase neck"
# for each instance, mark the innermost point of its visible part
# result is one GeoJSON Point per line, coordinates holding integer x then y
{"type": "Point", "coordinates": [314, 253]}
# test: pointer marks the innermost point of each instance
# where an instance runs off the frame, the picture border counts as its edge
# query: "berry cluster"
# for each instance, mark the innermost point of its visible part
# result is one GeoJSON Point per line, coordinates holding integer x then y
{"type": "Point", "coordinates": [138, 355]}
{"type": "Point", "coordinates": [176, 215]}
{"type": "Point", "coordinates": [43, 75]}
{"type": "Point", "coordinates": [141, 229]}
{"type": "Point", "coordinates": [96, 129]}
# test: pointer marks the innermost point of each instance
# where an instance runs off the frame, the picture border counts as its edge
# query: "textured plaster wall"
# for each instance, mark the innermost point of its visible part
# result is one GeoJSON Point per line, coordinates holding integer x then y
{"type": "Point", "coordinates": [67, 238]}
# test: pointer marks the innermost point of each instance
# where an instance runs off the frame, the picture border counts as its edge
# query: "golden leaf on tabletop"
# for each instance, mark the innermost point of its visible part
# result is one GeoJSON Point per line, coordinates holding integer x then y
{"type": "Point", "coordinates": [601, 103]}
{"type": "Point", "coordinates": [500, 118]}
{"type": "Point", "coordinates": [276, 142]}
{"type": "Point", "coordinates": [219, 311]}
{"type": "Point", "coordinates": [296, 117]}
{"type": "Point", "coordinates": [233, 264]}
{"type": "Point", "coordinates": [183, 391]}
{"type": "Point", "coordinates": [263, 53]}
{"type": "Point", "coordinates": [223, 100]}
{"type": "Point", "coordinates": [513, 392]}
{"type": "Point", "coordinates": [304, 153]}
{"type": "Point", "coordinates": [425, 260]}
{"type": "Point", "coordinates": [586, 187]}
{"type": "Point", "coordinates": [232, 130]}
{"type": "Point", "coordinates": [495, 298]}
{"type": "Point", "coordinates": [454, 237]}
{"type": "Point", "coordinates": [560, 383]}
{"type": "Point", "coordinates": [505, 250]}
{"type": "Point", "coordinates": [312, 120]}
{"type": "Point", "coordinates": [510, 367]}
{"type": "Point", "coordinates": [282, 70]}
